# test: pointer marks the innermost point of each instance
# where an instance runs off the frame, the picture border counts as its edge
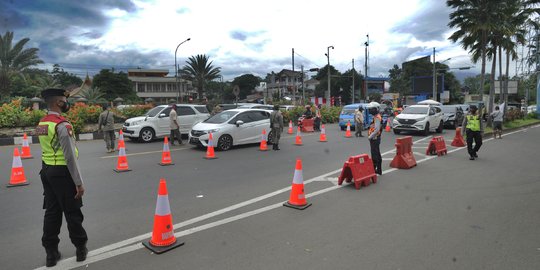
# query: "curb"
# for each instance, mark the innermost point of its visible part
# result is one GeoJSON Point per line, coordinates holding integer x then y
{"type": "Point", "coordinates": [512, 129]}
{"type": "Point", "coordinates": [35, 139]}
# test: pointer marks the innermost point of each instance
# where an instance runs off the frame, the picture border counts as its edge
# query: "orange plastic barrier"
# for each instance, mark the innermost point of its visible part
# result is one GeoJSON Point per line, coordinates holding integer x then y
{"type": "Point", "coordinates": [360, 169]}
{"type": "Point", "coordinates": [306, 124]}
{"type": "Point", "coordinates": [404, 158]}
{"type": "Point", "coordinates": [458, 139]}
{"type": "Point", "coordinates": [437, 146]}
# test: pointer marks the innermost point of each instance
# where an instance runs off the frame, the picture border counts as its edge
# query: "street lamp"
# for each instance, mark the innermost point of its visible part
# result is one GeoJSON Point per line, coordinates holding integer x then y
{"type": "Point", "coordinates": [435, 75]}
{"type": "Point", "coordinates": [328, 72]}
{"type": "Point", "coordinates": [176, 68]}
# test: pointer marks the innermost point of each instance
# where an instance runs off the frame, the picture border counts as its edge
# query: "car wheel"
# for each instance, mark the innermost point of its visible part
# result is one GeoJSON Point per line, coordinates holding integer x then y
{"type": "Point", "coordinates": [225, 142]}
{"type": "Point", "coordinates": [426, 130]}
{"type": "Point", "coordinates": [397, 131]}
{"type": "Point", "coordinates": [147, 135]}
{"type": "Point", "coordinates": [456, 124]}
{"type": "Point", "coordinates": [440, 127]}
{"type": "Point", "coordinates": [270, 137]}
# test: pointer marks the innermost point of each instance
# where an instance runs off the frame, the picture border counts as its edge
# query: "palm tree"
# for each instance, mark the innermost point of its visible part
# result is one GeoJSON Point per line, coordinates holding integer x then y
{"type": "Point", "coordinates": [200, 70]}
{"type": "Point", "coordinates": [94, 95]}
{"type": "Point", "coordinates": [475, 21]}
{"type": "Point", "coordinates": [13, 60]}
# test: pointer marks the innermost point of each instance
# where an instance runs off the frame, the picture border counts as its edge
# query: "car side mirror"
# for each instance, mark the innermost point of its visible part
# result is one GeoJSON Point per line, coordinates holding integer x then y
{"type": "Point", "coordinates": [431, 113]}
{"type": "Point", "coordinates": [161, 115]}
{"type": "Point", "coordinates": [239, 123]}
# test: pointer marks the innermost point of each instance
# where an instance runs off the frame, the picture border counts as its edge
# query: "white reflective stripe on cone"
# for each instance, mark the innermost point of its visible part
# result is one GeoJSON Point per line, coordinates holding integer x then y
{"type": "Point", "coordinates": [165, 147]}
{"type": "Point", "coordinates": [25, 142]}
{"type": "Point", "coordinates": [298, 177]}
{"type": "Point", "coordinates": [122, 151]}
{"type": "Point", "coordinates": [162, 205]}
{"type": "Point", "coordinates": [17, 163]}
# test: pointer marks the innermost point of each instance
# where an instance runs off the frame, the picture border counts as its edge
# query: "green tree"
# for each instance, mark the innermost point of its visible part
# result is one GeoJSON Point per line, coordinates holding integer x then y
{"type": "Point", "coordinates": [322, 77]}
{"type": "Point", "coordinates": [94, 95]}
{"type": "Point", "coordinates": [345, 83]}
{"type": "Point", "coordinates": [64, 78]}
{"type": "Point", "coordinates": [247, 84]}
{"type": "Point", "coordinates": [399, 83]}
{"type": "Point", "coordinates": [115, 85]}
{"type": "Point", "coordinates": [13, 60]}
{"type": "Point", "coordinates": [200, 70]}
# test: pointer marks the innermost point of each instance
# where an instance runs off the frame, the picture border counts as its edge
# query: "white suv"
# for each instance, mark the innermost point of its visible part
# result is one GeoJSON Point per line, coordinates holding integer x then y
{"type": "Point", "coordinates": [424, 118]}
{"type": "Point", "coordinates": [156, 122]}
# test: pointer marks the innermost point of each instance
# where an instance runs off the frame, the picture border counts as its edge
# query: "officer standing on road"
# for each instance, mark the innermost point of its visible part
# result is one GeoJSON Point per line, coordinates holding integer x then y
{"type": "Point", "coordinates": [474, 130]}
{"type": "Point", "coordinates": [106, 124]}
{"type": "Point", "coordinates": [175, 127]}
{"type": "Point", "coordinates": [276, 124]}
{"type": "Point", "coordinates": [359, 121]}
{"type": "Point", "coordinates": [374, 136]}
{"type": "Point", "coordinates": [61, 178]}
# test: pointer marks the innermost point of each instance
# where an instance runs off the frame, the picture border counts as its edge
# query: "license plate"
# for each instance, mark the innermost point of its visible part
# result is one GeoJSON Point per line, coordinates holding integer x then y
{"type": "Point", "coordinates": [194, 140]}
{"type": "Point", "coordinates": [124, 129]}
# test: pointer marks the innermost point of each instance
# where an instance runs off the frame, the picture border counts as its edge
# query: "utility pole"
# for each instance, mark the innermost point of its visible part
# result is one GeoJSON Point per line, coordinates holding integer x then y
{"type": "Point", "coordinates": [352, 80]}
{"type": "Point", "coordinates": [303, 89]}
{"type": "Point", "coordinates": [294, 79]}
{"type": "Point", "coordinates": [328, 73]}
{"type": "Point", "coordinates": [366, 68]}
{"type": "Point", "coordinates": [434, 77]}
{"type": "Point", "coordinates": [537, 74]}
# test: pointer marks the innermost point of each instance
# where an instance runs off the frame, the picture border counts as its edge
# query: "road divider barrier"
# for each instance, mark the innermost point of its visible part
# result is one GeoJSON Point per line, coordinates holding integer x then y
{"type": "Point", "coordinates": [404, 158]}
{"type": "Point", "coordinates": [437, 146]}
{"type": "Point", "coordinates": [322, 137]}
{"type": "Point", "coordinates": [290, 127]}
{"type": "Point", "coordinates": [307, 125]}
{"type": "Point", "coordinates": [458, 139]}
{"type": "Point", "coordinates": [163, 238]}
{"type": "Point", "coordinates": [210, 148]}
{"type": "Point", "coordinates": [298, 140]}
{"type": "Point", "coordinates": [166, 159]}
{"type": "Point", "coordinates": [18, 178]}
{"type": "Point", "coordinates": [26, 154]}
{"type": "Point", "coordinates": [122, 162]}
{"type": "Point", "coordinates": [358, 169]}
{"type": "Point", "coordinates": [297, 198]}
{"type": "Point", "coordinates": [264, 145]}
{"type": "Point", "coordinates": [348, 132]}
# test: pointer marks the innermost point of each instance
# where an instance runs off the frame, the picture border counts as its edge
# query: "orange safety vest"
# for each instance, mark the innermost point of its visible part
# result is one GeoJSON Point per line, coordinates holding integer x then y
{"type": "Point", "coordinates": [372, 125]}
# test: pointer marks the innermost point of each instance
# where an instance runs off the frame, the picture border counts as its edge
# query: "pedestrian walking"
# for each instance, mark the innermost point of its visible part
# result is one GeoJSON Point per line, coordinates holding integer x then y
{"type": "Point", "coordinates": [497, 117]}
{"type": "Point", "coordinates": [359, 121]}
{"type": "Point", "coordinates": [175, 127]}
{"type": "Point", "coordinates": [318, 119]}
{"type": "Point", "coordinates": [106, 125]}
{"type": "Point", "coordinates": [474, 131]}
{"type": "Point", "coordinates": [276, 124]}
{"type": "Point", "coordinates": [374, 136]}
{"type": "Point", "coordinates": [61, 178]}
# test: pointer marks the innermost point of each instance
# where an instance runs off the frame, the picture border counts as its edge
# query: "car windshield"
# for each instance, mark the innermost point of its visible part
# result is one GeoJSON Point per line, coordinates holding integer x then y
{"type": "Point", "coordinates": [415, 110]}
{"type": "Point", "coordinates": [153, 112]}
{"type": "Point", "coordinates": [448, 109]}
{"type": "Point", "coordinates": [221, 117]}
{"type": "Point", "coordinates": [348, 111]}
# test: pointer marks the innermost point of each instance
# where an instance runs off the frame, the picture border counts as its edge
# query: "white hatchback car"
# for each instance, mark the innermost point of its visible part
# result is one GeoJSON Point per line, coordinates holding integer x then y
{"type": "Point", "coordinates": [232, 127]}
{"type": "Point", "coordinates": [424, 118]}
{"type": "Point", "coordinates": [156, 122]}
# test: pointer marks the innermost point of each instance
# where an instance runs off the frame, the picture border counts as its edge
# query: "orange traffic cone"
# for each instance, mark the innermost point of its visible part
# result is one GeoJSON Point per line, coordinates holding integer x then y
{"type": "Point", "coordinates": [121, 140]}
{"type": "Point", "coordinates": [290, 127]}
{"type": "Point", "coordinates": [458, 139]}
{"type": "Point", "coordinates": [322, 137]}
{"type": "Point", "coordinates": [387, 129]}
{"type": "Point", "coordinates": [297, 200]}
{"type": "Point", "coordinates": [348, 132]}
{"type": "Point", "coordinates": [264, 145]}
{"type": "Point", "coordinates": [166, 154]}
{"type": "Point", "coordinates": [17, 171]}
{"type": "Point", "coordinates": [163, 238]}
{"type": "Point", "coordinates": [122, 163]}
{"type": "Point", "coordinates": [298, 137]}
{"type": "Point", "coordinates": [26, 148]}
{"type": "Point", "coordinates": [210, 148]}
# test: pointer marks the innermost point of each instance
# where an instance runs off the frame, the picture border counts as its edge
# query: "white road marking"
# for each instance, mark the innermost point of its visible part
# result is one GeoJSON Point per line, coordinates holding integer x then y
{"type": "Point", "coordinates": [146, 153]}
{"type": "Point", "coordinates": [387, 159]}
{"type": "Point", "coordinates": [133, 243]}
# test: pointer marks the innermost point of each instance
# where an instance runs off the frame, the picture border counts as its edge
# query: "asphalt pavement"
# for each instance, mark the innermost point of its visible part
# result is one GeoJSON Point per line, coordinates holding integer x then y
{"type": "Point", "coordinates": [446, 213]}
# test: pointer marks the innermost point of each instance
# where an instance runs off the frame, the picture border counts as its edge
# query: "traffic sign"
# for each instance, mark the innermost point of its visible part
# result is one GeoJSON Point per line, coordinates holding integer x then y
{"type": "Point", "coordinates": [236, 90]}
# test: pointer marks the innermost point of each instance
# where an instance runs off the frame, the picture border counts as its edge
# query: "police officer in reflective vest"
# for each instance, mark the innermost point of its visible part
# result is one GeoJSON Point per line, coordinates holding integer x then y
{"type": "Point", "coordinates": [374, 136]}
{"type": "Point", "coordinates": [61, 178]}
{"type": "Point", "coordinates": [474, 130]}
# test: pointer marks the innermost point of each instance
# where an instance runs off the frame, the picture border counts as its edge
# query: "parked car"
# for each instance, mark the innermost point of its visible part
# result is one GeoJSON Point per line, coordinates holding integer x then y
{"type": "Point", "coordinates": [286, 107]}
{"type": "Point", "coordinates": [422, 118]}
{"type": "Point", "coordinates": [232, 127]}
{"type": "Point", "coordinates": [531, 109]}
{"type": "Point", "coordinates": [228, 106]}
{"type": "Point", "coordinates": [464, 108]}
{"type": "Point", "coordinates": [256, 106]}
{"type": "Point", "coordinates": [156, 123]}
{"type": "Point", "coordinates": [453, 116]}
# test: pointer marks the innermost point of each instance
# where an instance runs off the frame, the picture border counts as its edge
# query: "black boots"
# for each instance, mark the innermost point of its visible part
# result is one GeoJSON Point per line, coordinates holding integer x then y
{"type": "Point", "coordinates": [377, 166]}
{"type": "Point", "coordinates": [275, 146]}
{"type": "Point", "coordinates": [53, 256]}
{"type": "Point", "coordinates": [81, 253]}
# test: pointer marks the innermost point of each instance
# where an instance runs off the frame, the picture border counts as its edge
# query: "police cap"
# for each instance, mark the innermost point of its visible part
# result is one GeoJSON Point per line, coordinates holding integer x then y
{"type": "Point", "coordinates": [54, 92]}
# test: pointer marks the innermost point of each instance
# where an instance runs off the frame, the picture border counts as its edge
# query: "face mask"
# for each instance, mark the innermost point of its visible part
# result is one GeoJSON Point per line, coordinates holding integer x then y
{"type": "Point", "coordinates": [65, 107]}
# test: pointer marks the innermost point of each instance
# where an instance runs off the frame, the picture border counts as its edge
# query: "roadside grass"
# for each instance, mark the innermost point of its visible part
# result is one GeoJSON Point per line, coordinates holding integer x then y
{"type": "Point", "coordinates": [515, 124]}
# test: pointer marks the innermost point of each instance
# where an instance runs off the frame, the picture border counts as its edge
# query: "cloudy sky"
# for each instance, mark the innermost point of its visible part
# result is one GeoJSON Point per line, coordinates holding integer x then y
{"type": "Point", "coordinates": [240, 36]}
